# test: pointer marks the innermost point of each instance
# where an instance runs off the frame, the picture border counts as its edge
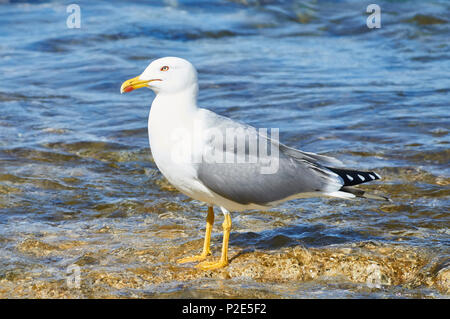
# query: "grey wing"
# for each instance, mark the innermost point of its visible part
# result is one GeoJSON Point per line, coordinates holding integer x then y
{"type": "Point", "coordinates": [312, 157]}
{"type": "Point", "coordinates": [264, 176]}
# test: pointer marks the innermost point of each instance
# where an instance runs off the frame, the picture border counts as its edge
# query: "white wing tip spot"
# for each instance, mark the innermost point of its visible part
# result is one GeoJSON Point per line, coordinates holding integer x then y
{"type": "Point", "coordinates": [361, 177]}
{"type": "Point", "coordinates": [377, 175]}
{"type": "Point", "coordinates": [371, 176]}
{"type": "Point", "coordinates": [349, 177]}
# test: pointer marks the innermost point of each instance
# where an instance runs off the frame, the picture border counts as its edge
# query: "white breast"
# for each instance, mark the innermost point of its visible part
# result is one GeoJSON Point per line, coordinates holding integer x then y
{"type": "Point", "coordinates": [170, 136]}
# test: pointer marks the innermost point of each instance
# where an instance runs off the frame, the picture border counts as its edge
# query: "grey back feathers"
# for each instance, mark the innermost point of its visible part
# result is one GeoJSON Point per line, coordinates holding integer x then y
{"type": "Point", "coordinates": [245, 181]}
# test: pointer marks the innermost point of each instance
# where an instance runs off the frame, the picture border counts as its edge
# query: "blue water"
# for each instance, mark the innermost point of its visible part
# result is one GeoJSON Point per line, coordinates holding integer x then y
{"type": "Point", "coordinates": [75, 165]}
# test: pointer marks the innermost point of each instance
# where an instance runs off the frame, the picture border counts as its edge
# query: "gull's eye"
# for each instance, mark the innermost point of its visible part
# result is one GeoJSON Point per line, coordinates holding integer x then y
{"type": "Point", "coordinates": [165, 68]}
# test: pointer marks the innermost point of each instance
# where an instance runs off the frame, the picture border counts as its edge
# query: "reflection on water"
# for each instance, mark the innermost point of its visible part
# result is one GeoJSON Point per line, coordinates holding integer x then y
{"type": "Point", "coordinates": [78, 185]}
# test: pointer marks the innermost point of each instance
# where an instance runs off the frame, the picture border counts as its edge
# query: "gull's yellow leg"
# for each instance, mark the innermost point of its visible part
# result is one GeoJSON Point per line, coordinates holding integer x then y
{"type": "Point", "coordinates": [224, 258]}
{"type": "Point", "coordinates": [206, 251]}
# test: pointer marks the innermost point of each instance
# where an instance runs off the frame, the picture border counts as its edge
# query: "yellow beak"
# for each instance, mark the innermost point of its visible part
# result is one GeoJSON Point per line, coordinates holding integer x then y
{"type": "Point", "coordinates": [133, 84]}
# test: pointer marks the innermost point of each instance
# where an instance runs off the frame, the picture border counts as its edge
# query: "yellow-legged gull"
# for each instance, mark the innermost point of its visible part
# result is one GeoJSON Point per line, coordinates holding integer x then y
{"type": "Point", "coordinates": [224, 163]}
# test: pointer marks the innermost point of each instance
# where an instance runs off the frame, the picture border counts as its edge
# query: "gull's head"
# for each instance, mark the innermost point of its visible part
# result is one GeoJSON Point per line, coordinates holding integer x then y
{"type": "Point", "coordinates": [165, 75]}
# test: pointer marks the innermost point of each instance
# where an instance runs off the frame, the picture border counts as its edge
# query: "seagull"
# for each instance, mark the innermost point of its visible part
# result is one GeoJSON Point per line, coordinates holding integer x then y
{"type": "Point", "coordinates": [228, 164]}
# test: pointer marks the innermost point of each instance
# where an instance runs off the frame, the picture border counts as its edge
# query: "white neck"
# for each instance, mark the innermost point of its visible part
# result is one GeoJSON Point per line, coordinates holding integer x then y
{"type": "Point", "coordinates": [175, 103]}
{"type": "Point", "coordinates": [169, 114]}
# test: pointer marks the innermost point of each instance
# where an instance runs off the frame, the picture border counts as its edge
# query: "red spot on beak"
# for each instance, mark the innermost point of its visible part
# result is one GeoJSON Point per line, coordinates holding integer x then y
{"type": "Point", "coordinates": [128, 89]}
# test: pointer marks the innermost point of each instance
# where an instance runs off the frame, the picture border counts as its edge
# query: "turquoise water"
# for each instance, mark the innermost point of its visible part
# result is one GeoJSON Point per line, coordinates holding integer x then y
{"type": "Point", "coordinates": [78, 184]}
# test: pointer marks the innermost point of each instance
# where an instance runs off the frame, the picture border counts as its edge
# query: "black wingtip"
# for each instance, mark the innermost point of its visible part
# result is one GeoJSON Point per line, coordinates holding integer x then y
{"type": "Point", "coordinates": [352, 177]}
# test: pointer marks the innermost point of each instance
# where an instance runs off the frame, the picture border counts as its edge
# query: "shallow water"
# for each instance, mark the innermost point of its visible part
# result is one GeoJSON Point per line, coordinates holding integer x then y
{"type": "Point", "coordinates": [78, 185]}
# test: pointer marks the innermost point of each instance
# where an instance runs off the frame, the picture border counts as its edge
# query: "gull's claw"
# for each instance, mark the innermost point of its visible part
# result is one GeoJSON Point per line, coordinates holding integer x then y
{"type": "Point", "coordinates": [200, 257]}
{"type": "Point", "coordinates": [211, 265]}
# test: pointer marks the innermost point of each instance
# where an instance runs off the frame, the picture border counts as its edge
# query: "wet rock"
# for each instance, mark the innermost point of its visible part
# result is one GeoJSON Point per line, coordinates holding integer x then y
{"type": "Point", "coordinates": [133, 272]}
{"type": "Point", "coordinates": [36, 247]}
